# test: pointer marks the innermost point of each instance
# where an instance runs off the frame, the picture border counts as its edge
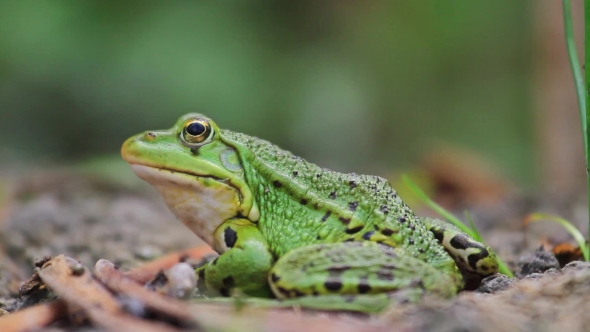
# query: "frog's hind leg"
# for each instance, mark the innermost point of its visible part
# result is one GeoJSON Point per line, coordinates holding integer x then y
{"type": "Point", "coordinates": [469, 254]}
{"type": "Point", "coordinates": [354, 272]}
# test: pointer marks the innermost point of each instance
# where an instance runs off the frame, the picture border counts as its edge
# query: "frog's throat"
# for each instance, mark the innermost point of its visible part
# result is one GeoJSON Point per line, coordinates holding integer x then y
{"type": "Point", "coordinates": [201, 202]}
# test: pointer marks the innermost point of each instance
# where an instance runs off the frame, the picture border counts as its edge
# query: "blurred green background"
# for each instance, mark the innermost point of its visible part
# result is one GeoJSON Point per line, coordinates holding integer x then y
{"type": "Point", "coordinates": [364, 86]}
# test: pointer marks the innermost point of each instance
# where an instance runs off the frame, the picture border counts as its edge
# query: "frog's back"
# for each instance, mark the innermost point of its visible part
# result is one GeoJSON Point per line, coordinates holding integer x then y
{"type": "Point", "coordinates": [302, 204]}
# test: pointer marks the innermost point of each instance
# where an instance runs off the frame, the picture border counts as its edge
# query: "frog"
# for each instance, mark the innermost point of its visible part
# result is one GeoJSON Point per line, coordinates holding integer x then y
{"type": "Point", "coordinates": [287, 229]}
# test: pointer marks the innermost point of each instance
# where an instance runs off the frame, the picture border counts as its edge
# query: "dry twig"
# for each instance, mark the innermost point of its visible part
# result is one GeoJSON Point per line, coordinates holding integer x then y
{"type": "Point", "coordinates": [74, 284]}
{"type": "Point", "coordinates": [148, 271]}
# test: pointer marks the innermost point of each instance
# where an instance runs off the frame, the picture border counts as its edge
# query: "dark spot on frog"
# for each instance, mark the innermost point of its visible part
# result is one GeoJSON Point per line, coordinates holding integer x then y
{"type": "Point", "coordinates": [385, 274]}
{"type": "Point", "coordinates": [384, 209]}
{"type": "Point", "coordinates": [333, 284]}
{"type": "Point", "coordinates": [352, 184]}
{"type": "Point", "coordinates": [364, 287]}
{"type": "Point", "coordinates": [376, 227]}
{"type": "Point", "coordinates": [402, 219]}
{"type": "Point", "coordinates": [353, 205]}
{"type": "Point", "coordinates": [354, 229]}
{"type": "Point", "coordinates": [411, 242]}
{"type": "Point", "coordinates": [318, 175]}
{"type": "Point", "coordinates": [307, 266]}
{"type": "Point", "coordinates": [326, 216]}
{"type": "Point", "coordinates": [318, 237]}
{"type": "Point", "coordinates": [438, 234]}
{"type": "Point", "coordinates": [297, 293]}
{"type": "Point", "coordinates": [315, 293]}
{"type": "Point", "coordinates": [320, 248]}
{"type": "Point", "coordinates": [368, 235]}
{"type": "Point", "coordinates": [228, 281]}
{"type": "Point", "coordinates": [274, 277]}
{"type": "Point", "coordinates": [284, 291]}
{"type": "Point", "coordinates": [332, 195]}
{"type": "Point", "coordinates": [387, 231]}
{"type": "Point", "coordinates": [417, 283]}
{"type": "Point", "coordinates": [421, 250]}
{"type": "Point", "coordinates": [303, 201]}
{"type": "Point", "coordinates": [349, 240]}
{"type": "Point", "coordinates": [295, 173]}
{"type": "Point", "coordinates": [461, 242]}
{"type": "Point", "coordinates": [230, 237]}
{"type": "Point", "coordinates": [345, 221]}
{"type": "Point", "coordinates": [338, 268]}
{"type": "Point", "coordinates": [412, 227]}
{"type": "Point", "coordinates": [277, 184]}
{"type": "Point", "coordinates": [474, 258]}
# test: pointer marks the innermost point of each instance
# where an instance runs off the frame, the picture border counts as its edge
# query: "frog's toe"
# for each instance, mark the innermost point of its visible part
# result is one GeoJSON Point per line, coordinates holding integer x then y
{"type": "Point", "coordinates": [468, 254]}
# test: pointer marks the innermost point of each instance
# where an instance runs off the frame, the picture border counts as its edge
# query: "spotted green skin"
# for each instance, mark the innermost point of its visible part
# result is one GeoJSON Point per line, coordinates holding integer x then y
{"type": "Point", "coordinates": [305, 234]}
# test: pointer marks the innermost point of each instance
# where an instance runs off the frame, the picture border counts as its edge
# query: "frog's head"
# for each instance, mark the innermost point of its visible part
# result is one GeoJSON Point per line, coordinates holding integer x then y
{"type": "Point", "coordinates": [199, 175]}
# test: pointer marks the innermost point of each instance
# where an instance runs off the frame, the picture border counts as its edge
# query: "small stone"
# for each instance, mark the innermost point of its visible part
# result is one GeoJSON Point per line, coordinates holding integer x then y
{"type": "Point", "coordinates": [576, 265]}
{"type": "Point", "coordinates": [538, 262]}
{"type": "Point", "coordinates": [76, 267]}
{"type": "Point", "coordinates": [178, 281]}
{"type": "Point", "coordinates": [494, 283]}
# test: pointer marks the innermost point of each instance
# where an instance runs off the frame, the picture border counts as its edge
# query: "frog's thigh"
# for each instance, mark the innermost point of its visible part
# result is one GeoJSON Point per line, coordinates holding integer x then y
{"type": "Point", "coordinates": [350, 268]}
{"type": "Point", "coordinates": [244, 261]}
{"type": "Point", "coordinates": [468, 253]}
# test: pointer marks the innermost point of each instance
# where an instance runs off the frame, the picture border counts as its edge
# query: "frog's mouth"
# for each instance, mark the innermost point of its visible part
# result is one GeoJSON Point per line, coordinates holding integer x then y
{"type": "Point", "coordinates": [202, 203]}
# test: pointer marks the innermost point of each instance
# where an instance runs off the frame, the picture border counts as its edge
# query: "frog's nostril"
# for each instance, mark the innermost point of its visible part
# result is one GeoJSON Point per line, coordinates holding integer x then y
{"type": "Point", "coordinates": [150, 135]}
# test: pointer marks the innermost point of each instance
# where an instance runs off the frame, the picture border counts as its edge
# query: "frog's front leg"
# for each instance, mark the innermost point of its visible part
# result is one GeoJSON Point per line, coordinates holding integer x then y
{"type": "Point", "coordinates": [469, 254]}
{"type": "Point", "coordinates": [356, 271]}
{"type": "Point", "coordinates": [243, 263]}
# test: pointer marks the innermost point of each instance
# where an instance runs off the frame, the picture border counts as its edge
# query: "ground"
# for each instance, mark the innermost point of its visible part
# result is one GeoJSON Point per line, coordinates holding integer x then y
{"type": "Point", "coordinates": [89, 218]}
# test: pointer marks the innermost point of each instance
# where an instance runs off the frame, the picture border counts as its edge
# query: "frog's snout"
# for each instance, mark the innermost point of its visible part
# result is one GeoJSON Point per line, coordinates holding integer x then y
{"type": "Point", "coordinates": [131, 147]}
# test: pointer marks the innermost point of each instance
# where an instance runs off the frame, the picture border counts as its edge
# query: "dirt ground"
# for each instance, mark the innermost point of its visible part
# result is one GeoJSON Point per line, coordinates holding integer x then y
{"type": "Point", "coordinates": [89, 218]}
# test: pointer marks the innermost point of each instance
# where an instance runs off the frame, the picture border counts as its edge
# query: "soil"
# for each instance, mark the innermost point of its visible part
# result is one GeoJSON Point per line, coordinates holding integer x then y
{"type": "Point", "coordinates": [90, 218]}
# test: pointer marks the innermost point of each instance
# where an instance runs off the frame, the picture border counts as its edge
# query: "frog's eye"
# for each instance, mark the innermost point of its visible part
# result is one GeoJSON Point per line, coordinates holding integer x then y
{"type": "Point", "coordinates": [196, 131]}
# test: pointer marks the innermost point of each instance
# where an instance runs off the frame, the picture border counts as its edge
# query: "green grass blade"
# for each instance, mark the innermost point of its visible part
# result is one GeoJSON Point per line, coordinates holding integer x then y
{"type": "Point", "coordinates": [476, 234]}
{"type": "Point", "coordinates": [439, 209]}
{"type": "Point", "coordinates": [584, 113]}
{"type": "Point", "coordinates": [575, 233]}
{"type": "Point", "coordinates": [579, 82]}
{"type": "Point", "coordinates": [575, 66]}
{"type": "Point", "coordinates": [503, 268]}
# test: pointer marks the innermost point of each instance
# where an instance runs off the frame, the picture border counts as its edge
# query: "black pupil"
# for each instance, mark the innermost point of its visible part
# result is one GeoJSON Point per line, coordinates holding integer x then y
{"type": "Point", "coordinates": [195, 129]}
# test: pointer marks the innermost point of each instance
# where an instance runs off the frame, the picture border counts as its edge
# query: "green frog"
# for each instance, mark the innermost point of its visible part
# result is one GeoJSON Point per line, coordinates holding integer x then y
{"type": "Point", "coordinates": [285, 228]}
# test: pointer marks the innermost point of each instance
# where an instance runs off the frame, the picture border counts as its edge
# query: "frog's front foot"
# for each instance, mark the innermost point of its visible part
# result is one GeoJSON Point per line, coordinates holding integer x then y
{"type": "Point", "coordinates": [243, 264]}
